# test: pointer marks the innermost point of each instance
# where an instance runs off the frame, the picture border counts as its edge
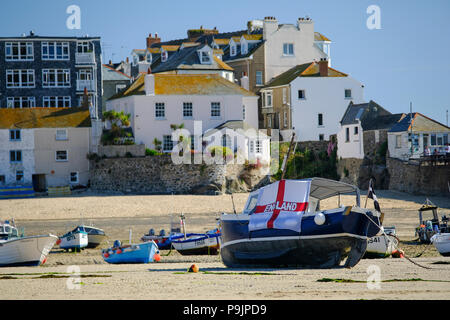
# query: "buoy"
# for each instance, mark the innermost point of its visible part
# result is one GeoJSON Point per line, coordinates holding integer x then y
{"type": "Point", "coordinates": [319, 218]}
{"type": "Point", "coordinates": [193, 268]}
{"type": "Point", "coordinates": [58, 241]}
{"type": "Point", "coordinates": [156, 257]}
{"type": "Point", "coordinates": [106, 255]}
{"type": "Point", "coordinates": [119, 251]}
{"type": "Point", "coordinates": [398, 254]}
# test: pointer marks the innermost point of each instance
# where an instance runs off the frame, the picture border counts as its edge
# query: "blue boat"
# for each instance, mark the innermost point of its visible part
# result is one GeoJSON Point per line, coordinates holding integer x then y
{"type": "Point", "coordinates": [163, 241]}
{"type": "Point", "coordinates": [198, 244]}
{"type": "Point", "coordinates": [131, 253]}
{"type": "Point", "coordinates": [282, 225]}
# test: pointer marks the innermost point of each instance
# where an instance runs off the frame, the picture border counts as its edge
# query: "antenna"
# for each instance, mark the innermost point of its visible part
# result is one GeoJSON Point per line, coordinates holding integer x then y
{"type": "Point", "coordinates": [410, 125]}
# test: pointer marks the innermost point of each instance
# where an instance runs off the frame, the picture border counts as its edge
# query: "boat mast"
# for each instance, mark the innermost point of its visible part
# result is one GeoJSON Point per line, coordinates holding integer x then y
{"type": "Point", "coordinates": [286, 156]}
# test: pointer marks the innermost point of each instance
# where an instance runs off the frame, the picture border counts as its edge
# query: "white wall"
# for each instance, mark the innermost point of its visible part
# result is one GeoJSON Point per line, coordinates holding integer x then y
{"type": "Point", "coordinates": [323, 95]}
{"type": "Point", "coordinates": [305, 49]}
{"type": "Point", "coordinates": [354, 148]}
{"type": "Point", "coordinates": [26, 145]}
{"type": "Point", "coordinates": [146, 127]}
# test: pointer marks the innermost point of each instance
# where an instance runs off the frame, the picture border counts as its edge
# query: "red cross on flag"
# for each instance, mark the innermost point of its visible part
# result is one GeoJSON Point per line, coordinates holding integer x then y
{"type": "Point", "coordinates": [281, 205]}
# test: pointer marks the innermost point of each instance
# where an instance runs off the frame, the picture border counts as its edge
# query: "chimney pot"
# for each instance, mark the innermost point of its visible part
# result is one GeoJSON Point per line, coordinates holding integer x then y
{"type": "Point", "coordinates": [323, 67]}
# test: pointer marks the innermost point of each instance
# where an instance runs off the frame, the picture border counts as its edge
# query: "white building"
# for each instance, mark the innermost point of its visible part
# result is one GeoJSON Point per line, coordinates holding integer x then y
{"type": "Point", "coordinates": [309, 99]}
{"type": "Point", "coordinates": [157, 101]}
{"type": "Point", "coordinates": [407, 139]}
{"type": "Point", "coordinates": [363, 128]}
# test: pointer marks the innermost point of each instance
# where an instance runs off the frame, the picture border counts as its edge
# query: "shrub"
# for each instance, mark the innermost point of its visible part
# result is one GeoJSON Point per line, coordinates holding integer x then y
{"type": "Point", "coordinates": [225, 152]}
{"type": "Point", "coordinates": [151, 152]}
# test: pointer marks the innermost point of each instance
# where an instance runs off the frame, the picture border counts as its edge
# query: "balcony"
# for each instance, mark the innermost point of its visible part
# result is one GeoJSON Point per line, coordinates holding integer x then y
{"type": "Point", "coordinates": [88, 84]}
{"type": "Point", "coordinates": [85, 58]}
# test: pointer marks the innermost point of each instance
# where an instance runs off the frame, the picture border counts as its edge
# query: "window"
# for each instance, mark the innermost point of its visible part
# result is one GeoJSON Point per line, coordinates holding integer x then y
{"type": "Point", "coordinates": [232, 50]}
{"type": "Point", "coordinates": [269, 121]}
{"type": "Point", "coordinates": [347, 134]}
{"type": "Point", "coordinates": [433, 139]}
{"type": "Point", "coordinates": [355, 130]}
{"type": "Point", "coordinates": [15, 156]}
{"type": "Point", "coordinates": [167, 143]}
{"type": "Point", "coordinates": [187, 110]}
{"type": "Point", "coordinates": [19, 176]}
{"type": "Point", "coordinates": [20, 78]}
{"type": "Point", "coordinates": [61, 155]}
{"type": "Point", "coordinates": [61, 134]}
{"type": "Point", "coordinates": [56, 102]}
{"type": "Point", "coordinates": [2, 180]}
{"type": "Point", "coordinates": [55, 51]}
{"type": "Point", "coordinates": [251, 146]}
{"type": "Point", "coordinates": [226, 141]}
{"type": "Point", "coordinates": [244, 48]}
{"type": "Point", "coordinates": [284, 95]}
{"type": "Point", "coordinates": [285, 119]}
{"type": "Point", "coordinates": [348, 93]}
{"type": "Point", "coordinates": [321, 137]}
{"type": "Point", "coordinates": [301, 94]}
{"type": "Point", "coordinates": [19, 51]}
{"type": "Point", "coordinates": [288, 49]}
{"type": "Point", "coordinates": [74, 177]}
{"type": "Point", "coordinates": [164, 56]}
{"type": "Point", "coordinates": [84, 75]}
{"type": "Point", "coordinates": [21, 102]}
{"type": "Point", "coordinates": [258, 146]}
{"type": "Point", "coordinates": [120, 87]}
{"type": "Point", "coordinates": [192, 142]}
{"type": "Point", "coordinates": [215, 109]}
{"type": "Point", "coordinates": [52, 78]}
{"type": "Point", "coordinates": [160, 112]}
{"type": "Point", "coordinates": [267, 99]}
{"type": "Point", "coordinates": [320, 119]}
{"type": "Point", "coordinates": [14, 135]}
{"type": "Point", "coordinates": [243, 112]}
{"type": "Point", "coordinates": [259, 78]}
{"type": "Point", "coordinates": [445, 139]}
{"type": "Point", "coordinates": [398, 141]}
{"type": "Point", "coordinates": [84, 47]}
{"type": "Point", "coordinates": [205, 58]}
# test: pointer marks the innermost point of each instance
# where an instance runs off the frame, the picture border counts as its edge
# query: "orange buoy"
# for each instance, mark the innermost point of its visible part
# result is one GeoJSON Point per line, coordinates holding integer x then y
{"type": "Point", "coordinates": [58, 241]}
{"type": "Point", "coordinates": [156, 257]}
{"type": "Point", "coordinates": [106, 255]}
{"type": "Point", "coordinates": [193, 268]}
{"type": "Point", "coordinates": [119, 251]}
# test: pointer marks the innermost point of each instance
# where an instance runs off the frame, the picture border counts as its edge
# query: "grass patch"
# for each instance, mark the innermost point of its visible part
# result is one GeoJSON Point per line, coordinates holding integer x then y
{"type": "Point", "coordinates": [390, 280]}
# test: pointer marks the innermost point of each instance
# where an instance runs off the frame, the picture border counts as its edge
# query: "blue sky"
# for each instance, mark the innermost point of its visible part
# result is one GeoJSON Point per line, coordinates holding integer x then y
{"type": "Point", "coordinates": [406, 60]}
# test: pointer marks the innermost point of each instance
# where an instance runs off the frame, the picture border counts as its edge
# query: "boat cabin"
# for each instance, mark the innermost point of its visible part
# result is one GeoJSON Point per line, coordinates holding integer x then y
{"type": "Point", "coordinates": [320, 189]}
{"type": "Point", "coordinates": [7, 231]}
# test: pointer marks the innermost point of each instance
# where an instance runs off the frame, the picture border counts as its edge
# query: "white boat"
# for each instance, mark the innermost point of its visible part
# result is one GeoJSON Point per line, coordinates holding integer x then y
{"type": "Point", "coordinates": [382, 245]}
{"type": "Point", "coordinates": [18, 250]}
{"type": "Point", "coordinates": [75, 239]}
{"type": "Point", "coordinates": [442, 243]}
{"type": "Point", "coordinates": [95, 235]}
{"type": "Point", "coordinates": [198, 244]}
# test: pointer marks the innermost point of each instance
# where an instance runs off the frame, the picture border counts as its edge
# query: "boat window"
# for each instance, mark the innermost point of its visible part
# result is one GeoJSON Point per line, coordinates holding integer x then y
{"type": "Point", "coordinates": [7, 229]}
{"type": "Point", "coordinates": [14, 232]}
{"type": "Point", "coordinates": [2, 230]}
{"type": "Point", "coordinates": [251, 203]}
{"type": "Point", "coordinates": [313, 205]}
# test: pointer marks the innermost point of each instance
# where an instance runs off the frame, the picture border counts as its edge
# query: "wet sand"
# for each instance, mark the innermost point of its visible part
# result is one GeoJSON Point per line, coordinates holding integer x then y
{"type": "Point", "coordinates": [167, 279]}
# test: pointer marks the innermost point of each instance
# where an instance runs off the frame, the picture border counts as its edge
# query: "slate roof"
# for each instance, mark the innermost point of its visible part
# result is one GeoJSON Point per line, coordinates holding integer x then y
{"type": "Point", "coordinates": [28, 118]}
{"type": "Point", "coordinates": [310, 69]}
{"type": "Point", "coordinates": [372, 116]}
{"type": "Point", "coordinates": [111, 74]}
{"type": "Point", "coordinates": [188, 58]}
{"type": "Point", "coordinates": [252, 47]}
{"type": "Point", "coordinates": [185, 84]}
{"type": "Point", "coordinates": [234, 125]}
{"type": "Point", "coordinates": [420, 122]}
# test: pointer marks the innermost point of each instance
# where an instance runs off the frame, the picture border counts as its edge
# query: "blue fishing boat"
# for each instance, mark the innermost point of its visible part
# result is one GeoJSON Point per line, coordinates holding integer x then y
{"type": "Point", "coordinates": [282, 224]}
{"type": "Point", "coordinates": [163, 241]}
{"type": "Point", "coordinates": [198, 244]}
{"type": "Point", "coordinates": [132, 253]}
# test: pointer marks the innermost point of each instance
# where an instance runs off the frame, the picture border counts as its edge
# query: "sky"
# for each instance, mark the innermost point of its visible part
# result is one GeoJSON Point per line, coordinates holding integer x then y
{"type": "Point", "coordinates": [405, 61]}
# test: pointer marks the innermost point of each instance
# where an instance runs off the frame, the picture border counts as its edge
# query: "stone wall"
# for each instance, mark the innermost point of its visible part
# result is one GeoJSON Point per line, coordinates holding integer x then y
{"type": "Point", "coordinates": [158, 175]}
{"type": "Point", "coordinates": [412, 178]}
{"type": "Point", "coordinates": [114, 151]}
{"type": "Point", "coordinates": [316, 146]}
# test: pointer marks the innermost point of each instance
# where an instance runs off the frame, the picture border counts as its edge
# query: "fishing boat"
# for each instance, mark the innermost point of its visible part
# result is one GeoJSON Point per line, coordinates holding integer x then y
{"type": "Point", "coordinates": [429, 225]}
{"type": "Point", "coordinates": [132, 253]}
{"type": "Point", "coordinates": [164, 241]}
{"type": "Point", "coordinates": [282, 225]}
{"type": "Point", "coordinates": [197, 243]}
{"type": "Point", "coordinates": [76, 239]}
{"type": "Point", "coordinates": [95, 235]}
{"type": "Point", "coordinates": [20, 250]}
{"type": "Point", "coordinates": [442, 243]}
{"type": "Point", "coordinates": [382, 245]}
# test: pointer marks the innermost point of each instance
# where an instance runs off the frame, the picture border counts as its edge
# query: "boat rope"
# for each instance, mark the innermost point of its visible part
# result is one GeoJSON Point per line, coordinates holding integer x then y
{"type": "Point", "coordinates": [395, 245]}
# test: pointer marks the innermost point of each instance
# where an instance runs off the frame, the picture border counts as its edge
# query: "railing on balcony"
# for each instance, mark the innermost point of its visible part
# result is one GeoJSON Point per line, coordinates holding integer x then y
{"type": "Point", "coordinates": [88, 84]}
{"type": "Point", "coordinates": [85, 58]}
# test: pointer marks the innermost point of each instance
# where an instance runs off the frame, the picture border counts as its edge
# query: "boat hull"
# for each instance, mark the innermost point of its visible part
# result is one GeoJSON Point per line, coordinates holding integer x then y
{"type": "Point", "coordinates": [207, 244]}
{"type": "Point", "coordinates": [94, 240]}
{"type": "Point", "coordinates": [77, 240]}
{"type": "Point", "coordinates": [380, 246]}
{"type": "Point", "coordinates": [343, 236]}
{"type": "Point", "coordinates": [138, 253]}
{"type": "Point", "coordinates": [163, 242]}
{"type": "Point", "coordinates": [442, 243]}
{"type": "Point", "coordinates": [27, 251]}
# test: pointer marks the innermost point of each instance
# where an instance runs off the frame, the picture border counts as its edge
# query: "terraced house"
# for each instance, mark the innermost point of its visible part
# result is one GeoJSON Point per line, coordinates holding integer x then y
{"type": "Point", "coordinates": [50, 72]}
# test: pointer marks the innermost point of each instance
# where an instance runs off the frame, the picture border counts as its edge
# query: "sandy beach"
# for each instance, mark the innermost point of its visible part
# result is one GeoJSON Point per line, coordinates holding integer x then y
{"type": "Point", "coordinates": [168, 279]}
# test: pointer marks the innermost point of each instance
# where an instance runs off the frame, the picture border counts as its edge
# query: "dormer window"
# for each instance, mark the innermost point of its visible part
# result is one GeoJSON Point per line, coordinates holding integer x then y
{"type": "Point", "coordinates": [244, 48]}
{"type": "Point", "coordinates": [148, 58]}
{"type": "Point", "coordinates": [232, 50]}
{"type": "Point", "coordinates": [205, 58]}
{"type": "Point", "coordinates": [164, 56]}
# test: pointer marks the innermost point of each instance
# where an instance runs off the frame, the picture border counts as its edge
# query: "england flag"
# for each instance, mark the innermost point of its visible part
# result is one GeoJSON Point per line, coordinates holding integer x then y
{"type": "Point", "coordinates": [281, 206]}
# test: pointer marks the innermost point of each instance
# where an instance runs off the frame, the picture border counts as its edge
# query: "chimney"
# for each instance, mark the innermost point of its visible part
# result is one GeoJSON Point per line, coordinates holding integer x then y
{"type": "Point", "coordinates": [128, 60]}
{"type": "Point", "coordinates": [152, 40]}
{"type": "Point", "coordinates": [306, 27]}
{"type": "Point", "coordinates": [244, 81]}
{"type": "Point", "coordinates": [270, 25]}
{"type": "Point", "coordinates": [323, 67]}
{"type": "Point", "coordinates": [110, 62]}
{"type": "Point", "coordinates": [149, 83]}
